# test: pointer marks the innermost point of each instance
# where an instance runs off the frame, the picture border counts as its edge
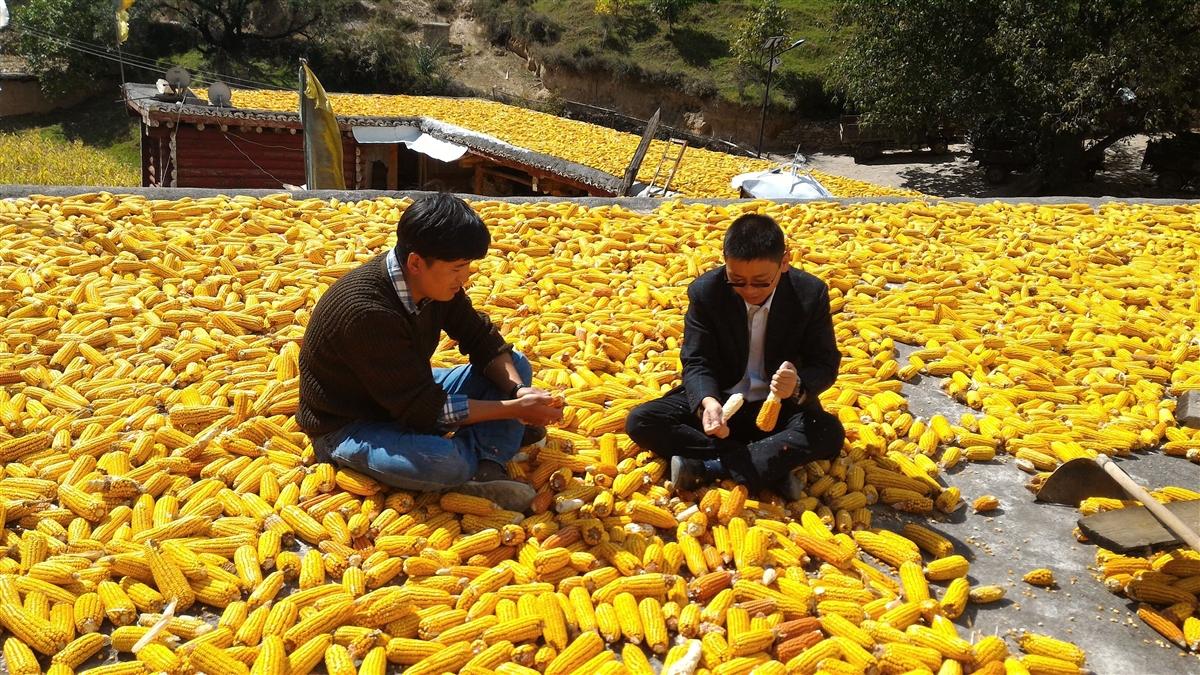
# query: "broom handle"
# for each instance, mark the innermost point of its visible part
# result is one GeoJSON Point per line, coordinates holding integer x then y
{"type": "Point", "coordinates": [1169, 520]}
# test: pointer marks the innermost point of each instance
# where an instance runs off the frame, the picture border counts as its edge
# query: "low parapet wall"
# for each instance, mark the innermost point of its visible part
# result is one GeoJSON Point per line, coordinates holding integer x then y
{"type": "Point", "coordinates": [633, 203]}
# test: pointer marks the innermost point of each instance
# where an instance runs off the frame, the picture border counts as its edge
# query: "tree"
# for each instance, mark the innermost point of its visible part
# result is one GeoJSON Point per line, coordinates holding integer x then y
{"type": "Point", "coordinates": [611, 13]}
{"type": "Point", "coordinates": [229, 29]}
{"type": "Point", "coordinates": [765, 20]}
{"type": "Point", "coordinates": [670, 10]}
{"type": "Point", "coordinates": [1056, 76]}
{"type": "Point", "coordinates": [41, 30]}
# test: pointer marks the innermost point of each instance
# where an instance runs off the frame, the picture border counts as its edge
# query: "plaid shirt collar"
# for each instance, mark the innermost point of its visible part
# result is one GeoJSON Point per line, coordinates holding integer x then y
{"type": "Point", "coordinates": [398, 282]}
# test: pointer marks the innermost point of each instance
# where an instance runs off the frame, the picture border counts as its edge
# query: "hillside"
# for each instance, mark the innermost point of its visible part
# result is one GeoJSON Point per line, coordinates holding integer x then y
{"type": "Point", "coordinates": [696, 56]}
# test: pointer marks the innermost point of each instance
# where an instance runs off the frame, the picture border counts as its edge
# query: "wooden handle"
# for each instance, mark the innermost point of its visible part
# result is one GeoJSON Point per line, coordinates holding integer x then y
{"type": "Point", "coordinates": [1169, 520]}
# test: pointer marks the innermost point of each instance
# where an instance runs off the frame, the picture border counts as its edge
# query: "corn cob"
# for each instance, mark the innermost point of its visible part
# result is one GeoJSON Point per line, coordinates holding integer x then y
{"type": "Point", "coordinates": [1033, 643]}
{"type": "Point", "coordinates": [1153, 618]}
{"type": "Point", "coordinates": [20, 658]}
{"type": "Point", "coordinates": [945, 569]}
{"type": "Point", "coordinates": [212, 659]}
{"type": "Point", "coordinates": [954, 600]}
{"type": "Point", "coordinates": [1039, 577]}
{"type": "Point", "coordinates": [35, 632]}
{"type": "Point", "coordinates": [81, 649]}
{"type": "Point", "coordinates": [985, 503]}
{"type": "Point", "coordinates": [768, 414]}
{"type": "Point", "coordinates": [1037, 664]}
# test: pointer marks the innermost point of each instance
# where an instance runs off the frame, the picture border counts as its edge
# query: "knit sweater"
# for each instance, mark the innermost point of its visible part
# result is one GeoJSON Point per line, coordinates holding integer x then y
{"type": "Point", "coordinates": [366, 358]}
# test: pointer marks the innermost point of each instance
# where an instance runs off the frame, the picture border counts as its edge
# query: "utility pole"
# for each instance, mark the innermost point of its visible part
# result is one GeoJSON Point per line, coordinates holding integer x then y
{"type": "Point", "coordinates": [770, 45]}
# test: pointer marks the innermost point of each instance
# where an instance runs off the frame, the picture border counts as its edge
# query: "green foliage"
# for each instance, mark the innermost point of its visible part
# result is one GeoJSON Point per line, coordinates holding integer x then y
{"type": "Point", "coordinates": [228, 31]}
{"type": "Point", "coordinates": [430, 76]}
{"type": "Point", "coordinates": [1048, 73]}
{"type": "Point", "coordinates": [598, 36]}
{"type": "Point", "coordinates": [377, 57]}
{"type": "Point", "coordinates": [765, 20]}
{"type": "Point", "coordinates": [39, 28]}
{"type": "Point", "coordinates": [516, 19]}
{"type": "Point", "coordinates": [669, 10]}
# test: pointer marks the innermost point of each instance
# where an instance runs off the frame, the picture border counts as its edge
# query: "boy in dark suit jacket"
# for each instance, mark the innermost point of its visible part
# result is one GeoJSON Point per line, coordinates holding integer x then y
{"type": "Point", "coordinates": [753, 326]}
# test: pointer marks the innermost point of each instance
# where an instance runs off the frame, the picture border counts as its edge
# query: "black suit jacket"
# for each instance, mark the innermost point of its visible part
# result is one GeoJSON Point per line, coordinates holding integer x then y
{"type": "Point", "coordinates": [716, 339]}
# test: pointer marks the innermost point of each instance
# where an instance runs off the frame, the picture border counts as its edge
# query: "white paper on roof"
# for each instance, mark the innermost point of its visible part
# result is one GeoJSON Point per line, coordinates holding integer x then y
{"type": "Point", "coordinates": [414, 138]}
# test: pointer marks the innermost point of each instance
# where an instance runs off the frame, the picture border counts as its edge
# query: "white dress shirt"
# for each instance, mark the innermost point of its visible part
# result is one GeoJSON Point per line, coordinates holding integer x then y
{"type": "Point", "coordinates": [755, 385]}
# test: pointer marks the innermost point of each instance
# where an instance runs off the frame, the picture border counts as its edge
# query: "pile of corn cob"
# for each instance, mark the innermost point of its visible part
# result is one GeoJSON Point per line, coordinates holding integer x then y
{"type": "Point", "coordinates": [152, 467]}
{"type": "Point", "coordinates": [1166, 584]}
{"type": "Point", "coordinates": [702, 173]}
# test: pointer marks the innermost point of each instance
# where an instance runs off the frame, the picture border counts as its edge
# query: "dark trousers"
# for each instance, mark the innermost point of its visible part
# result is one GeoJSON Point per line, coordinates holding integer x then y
{"type": "Point", "coordinates": [757, 459]}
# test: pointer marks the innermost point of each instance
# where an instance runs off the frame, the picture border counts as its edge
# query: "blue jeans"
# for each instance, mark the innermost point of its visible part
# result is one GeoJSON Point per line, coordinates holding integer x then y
{"type": "Point", "coordinates": [396, 456]}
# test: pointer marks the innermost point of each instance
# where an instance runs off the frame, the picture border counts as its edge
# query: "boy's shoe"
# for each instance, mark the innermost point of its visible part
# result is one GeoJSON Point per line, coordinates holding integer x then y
{"type": "Point", "coordinates": [792, 487]}
{"type": "Point", "coordinates": [510, 495]}
{"type": "Point", "coordinates": [491, 481]}
{"type": "Point", "coordinates": [686, 474]}
{"type": "Point", "coordinates": [690, 474]}
{"type": "Point", "coordinates": [534, 434]}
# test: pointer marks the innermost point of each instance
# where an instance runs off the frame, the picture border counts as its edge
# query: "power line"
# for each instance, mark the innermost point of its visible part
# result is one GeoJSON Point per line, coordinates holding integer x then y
{"type": "Point", "coordinates": [248, 158]}
{"type": "Point", "coordinates": [154, 65]}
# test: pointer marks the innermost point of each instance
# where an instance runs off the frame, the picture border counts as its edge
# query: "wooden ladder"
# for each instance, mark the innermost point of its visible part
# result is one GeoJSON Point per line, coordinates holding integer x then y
{"type": "Point", "coordinates": [667, 157]}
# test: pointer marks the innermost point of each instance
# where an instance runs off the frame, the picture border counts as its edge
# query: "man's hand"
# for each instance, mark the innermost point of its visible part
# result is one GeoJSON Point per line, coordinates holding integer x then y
{"type": "Point", "coordinates": [784, 382]}
{"type": "Point", "coordinates": [536, 407]}
{"type": "Point", "coordinates": [710, 418]}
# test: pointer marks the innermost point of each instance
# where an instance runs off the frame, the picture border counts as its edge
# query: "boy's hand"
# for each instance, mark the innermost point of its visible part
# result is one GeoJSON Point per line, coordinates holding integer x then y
{"type": "Point", "coordinates": [536, 407]}
{"type": "Point", "coordinates": [710, 418]}
{"type": "Point", "coordinates": [556, 399]}
{"type": "Point", "coordinates": [784, 382]}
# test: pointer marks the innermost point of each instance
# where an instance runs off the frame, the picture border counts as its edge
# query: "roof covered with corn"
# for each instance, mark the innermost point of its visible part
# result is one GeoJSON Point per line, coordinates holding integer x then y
{"type": "Point", "coordinates": [148, 363]}
{"type": "Point", "coordinates": [702, 173]}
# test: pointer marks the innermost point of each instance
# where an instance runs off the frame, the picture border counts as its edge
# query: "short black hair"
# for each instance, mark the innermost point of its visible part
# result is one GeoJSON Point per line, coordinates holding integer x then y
{"type": "Point", "coordinates": [442, 227]}
{"type": "Point", "coordinates": [754, 236]}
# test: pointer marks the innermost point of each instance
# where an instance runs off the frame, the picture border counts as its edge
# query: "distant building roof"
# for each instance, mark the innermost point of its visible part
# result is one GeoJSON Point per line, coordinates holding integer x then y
{"type": "Point", "coordinates": [141, 99]}
{"type": "Point", "coordinates": [591, 154]}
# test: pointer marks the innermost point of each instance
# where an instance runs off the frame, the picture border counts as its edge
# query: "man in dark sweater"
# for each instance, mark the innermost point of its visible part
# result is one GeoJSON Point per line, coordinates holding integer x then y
{"type": "Point", "coordinates": [369, 398]}
{"type": "Point", "coordinates": [754, 326]}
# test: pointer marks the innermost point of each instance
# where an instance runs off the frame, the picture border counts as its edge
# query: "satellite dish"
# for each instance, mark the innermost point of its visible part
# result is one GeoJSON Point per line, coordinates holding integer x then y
{"type": "Point", "coordinates": [178, 78]}
{"type": "Point", "coordinates": [220, 95]}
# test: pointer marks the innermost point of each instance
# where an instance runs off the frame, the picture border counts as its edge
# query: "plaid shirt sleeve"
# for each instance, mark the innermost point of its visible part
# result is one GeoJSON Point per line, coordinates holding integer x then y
{"type": "Point", "coordinates": [454, 411]}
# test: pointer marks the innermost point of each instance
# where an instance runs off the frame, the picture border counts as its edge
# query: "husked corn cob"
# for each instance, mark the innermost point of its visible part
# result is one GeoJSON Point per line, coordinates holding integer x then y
{"type": "Point", "coordinates": [954, 600]}
{"type": "Point", "coordinates": [768, 414]}
{"type": "Point", "coordinates": [985, 503]}
{"type": "Point", "coordinates": [570, 659]}
{"type": "Point", "coordinates": [20, 658]}
{"type": "Point", "coordinates": [1039, 577]}
{"type": "Point", "coordinates": [81, 649]}
{"type": "Point", "coordinates": [1034, 643]}
{"type": "Point", "coordinates": [1153, 618]}
{"type": "Point", "coordinates": [982, 595]}
{"type": "Point", "coordinates": [1036, 664]}
{"type": "Point", "coordinates": [35, 632]}
{"type": "Point", "coordinates": [944, 569]}
{"type": "Point", "coordinates": [212, 659]}
{"type": "Point", "coordinates": [308, 655]}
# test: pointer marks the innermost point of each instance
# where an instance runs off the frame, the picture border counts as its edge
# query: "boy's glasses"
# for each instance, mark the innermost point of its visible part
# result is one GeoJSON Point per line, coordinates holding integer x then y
{"type": "Point", "coordinates": [751, 284]}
